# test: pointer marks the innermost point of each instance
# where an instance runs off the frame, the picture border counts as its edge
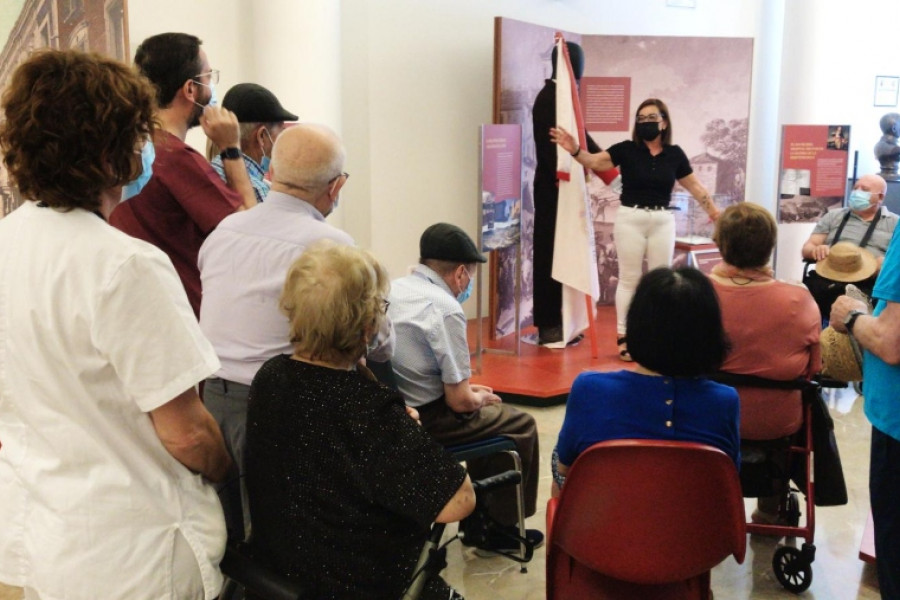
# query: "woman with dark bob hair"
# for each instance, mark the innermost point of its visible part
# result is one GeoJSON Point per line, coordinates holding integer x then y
{"type": "Point", "coordinates": [675, 335]}
{"type": "Point", "coordinates": [104, 437]}
{"type": "Point", "coordinates": [650, 164]}
{"type": "Point", "coordinates": [343, 483]}
{"type": "Point", "coordinates": [773, 327]}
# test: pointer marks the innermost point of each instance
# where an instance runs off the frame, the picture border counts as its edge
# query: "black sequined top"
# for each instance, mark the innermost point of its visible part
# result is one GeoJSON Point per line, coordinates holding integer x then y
{"type": "Point", "coordinates": [343, 485]}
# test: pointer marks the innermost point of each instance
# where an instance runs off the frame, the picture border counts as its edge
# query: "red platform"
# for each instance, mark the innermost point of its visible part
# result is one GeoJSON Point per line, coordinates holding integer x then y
{"type": "Point", "coordinates": [541, 376]}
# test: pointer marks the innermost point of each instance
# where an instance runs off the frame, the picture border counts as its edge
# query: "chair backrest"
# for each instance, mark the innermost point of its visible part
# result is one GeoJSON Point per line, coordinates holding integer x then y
{"type": "Point", "coordinates": [650, 512]}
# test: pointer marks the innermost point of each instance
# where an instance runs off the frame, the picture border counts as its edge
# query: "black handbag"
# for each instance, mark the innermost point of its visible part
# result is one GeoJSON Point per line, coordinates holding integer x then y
{"type": "Point", "coordinates": [831, 489]}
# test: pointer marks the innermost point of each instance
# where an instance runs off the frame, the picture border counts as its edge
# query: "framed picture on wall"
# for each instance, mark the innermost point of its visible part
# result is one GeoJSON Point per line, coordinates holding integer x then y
{"type": "Point", "coordinates": [886, 88]}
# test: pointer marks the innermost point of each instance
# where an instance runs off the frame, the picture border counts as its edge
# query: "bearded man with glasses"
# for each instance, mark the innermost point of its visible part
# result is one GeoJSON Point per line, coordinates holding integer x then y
{"type": "Point", "coordinates": [184, 199]}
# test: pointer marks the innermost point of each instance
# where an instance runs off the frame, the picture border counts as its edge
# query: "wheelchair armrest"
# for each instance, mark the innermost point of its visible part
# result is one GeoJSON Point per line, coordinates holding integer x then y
{"type": "Point", "coordinates": [827, 382]}
{"type": "Point", "coordinates": [737, 379]}
{"type": "Point", "coordinates": [258, 578]}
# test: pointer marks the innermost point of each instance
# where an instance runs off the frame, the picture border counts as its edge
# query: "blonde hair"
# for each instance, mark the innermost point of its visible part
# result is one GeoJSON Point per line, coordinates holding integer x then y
{"type": "Point", "coordinates": [333, 296]}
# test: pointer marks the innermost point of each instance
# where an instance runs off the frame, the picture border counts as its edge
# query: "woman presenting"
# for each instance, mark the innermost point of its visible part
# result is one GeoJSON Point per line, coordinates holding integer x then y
{"type": "Point", "coordinates": [650, 165]}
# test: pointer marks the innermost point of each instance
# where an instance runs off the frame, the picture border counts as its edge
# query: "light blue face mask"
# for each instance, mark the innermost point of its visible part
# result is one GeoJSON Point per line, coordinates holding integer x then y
{"type": "Point", "coordinates": [464, 295]}
{"type": "Point", "coordinates": [266, 161]}
{"type": "Point", "coordinates": [859, 200]}
{"type": "Point", "coordinates": [213, 98]}
{"type": "Point", "coordinates": [133, 188]}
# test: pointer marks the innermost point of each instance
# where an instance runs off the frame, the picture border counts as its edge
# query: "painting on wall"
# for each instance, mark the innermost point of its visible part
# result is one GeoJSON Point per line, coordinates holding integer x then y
{"type": "Point", "coordinates": [28, 25]}
{"type": "Point", "coordinates": [814, 161]}
{"type": "Point", "coordinates": [704, 81]}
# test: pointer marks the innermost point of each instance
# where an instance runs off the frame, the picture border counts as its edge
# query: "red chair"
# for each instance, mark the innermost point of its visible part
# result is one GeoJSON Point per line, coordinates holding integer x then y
{"type": "Point", "coordinates": [644, 519]}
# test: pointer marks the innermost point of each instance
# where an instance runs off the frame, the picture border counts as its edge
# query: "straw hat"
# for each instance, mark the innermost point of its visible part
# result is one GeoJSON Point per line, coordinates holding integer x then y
{"type": "Point", "coordinates": [841, 358]}
{"type": "Point", "coordinates": [847, 262]}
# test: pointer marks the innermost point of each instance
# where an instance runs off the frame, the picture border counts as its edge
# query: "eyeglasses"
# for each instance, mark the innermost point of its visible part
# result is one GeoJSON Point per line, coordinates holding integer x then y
{"type": "Point", "coordinates": [213, 76]}
{"type": "Point", "coordinates": [651, 118]}
{"type": "Point", "coordinates": [345, 175]}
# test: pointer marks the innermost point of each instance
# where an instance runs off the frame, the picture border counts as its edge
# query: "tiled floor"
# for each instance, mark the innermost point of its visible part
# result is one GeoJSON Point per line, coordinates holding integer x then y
{"type": "Point", "coordinates": [838, 574]}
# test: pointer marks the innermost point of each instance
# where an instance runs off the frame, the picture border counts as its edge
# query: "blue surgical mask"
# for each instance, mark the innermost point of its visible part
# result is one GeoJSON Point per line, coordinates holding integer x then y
{"type": "Point", "coordinates": [213, 98]}
{"type": "Point", "coordinates": [133, 188]}
{"type": "Point", "coordinates": [859, 200]}
{"type": "Point", "coordinates": [464, 295]}
{"type": "Point", "coordinates": [266, 161]}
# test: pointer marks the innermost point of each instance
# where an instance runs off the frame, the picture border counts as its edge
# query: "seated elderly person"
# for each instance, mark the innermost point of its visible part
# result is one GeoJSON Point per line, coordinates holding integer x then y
{"type": "Point", "coordinates": [433, 374]}
{"type": "Point", "coordinates": [773, 327]}
{"type": "Point", "coordinates": [864, 222]}
{"type": "Point", "coordinates": [343, 483]}
{"type": "Point", "coordinates": [675, 336]}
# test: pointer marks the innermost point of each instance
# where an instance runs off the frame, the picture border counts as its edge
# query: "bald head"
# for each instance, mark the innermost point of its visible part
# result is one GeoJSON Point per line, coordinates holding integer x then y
{"type": "Point", "coordinates": [306, 158]}
{"type": "Point", "coordinates": [874, 184]}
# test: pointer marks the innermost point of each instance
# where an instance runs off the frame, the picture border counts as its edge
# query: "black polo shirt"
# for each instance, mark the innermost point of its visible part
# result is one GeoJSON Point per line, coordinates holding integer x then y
{"type": "Point", "coordinates": [648, 180]}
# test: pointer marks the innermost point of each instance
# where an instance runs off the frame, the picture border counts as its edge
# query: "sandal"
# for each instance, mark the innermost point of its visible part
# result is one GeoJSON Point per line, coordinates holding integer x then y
{"type": "Point", "coordinates": [623, 350]}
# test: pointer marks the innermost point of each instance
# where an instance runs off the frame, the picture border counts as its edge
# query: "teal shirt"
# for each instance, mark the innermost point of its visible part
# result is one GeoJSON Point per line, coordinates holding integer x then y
{"type": "Point", "coordinates": [882, 381]}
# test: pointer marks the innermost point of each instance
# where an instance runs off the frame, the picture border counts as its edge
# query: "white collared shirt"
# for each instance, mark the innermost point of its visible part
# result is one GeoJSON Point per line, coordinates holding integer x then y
{"type": "Point", "coordinates": [243, 264]}
{"type": "Point", "coordinates": [95, 332]}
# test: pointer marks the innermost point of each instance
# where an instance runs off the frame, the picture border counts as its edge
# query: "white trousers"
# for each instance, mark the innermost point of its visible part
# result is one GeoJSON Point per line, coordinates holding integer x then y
{"type": "Point", "coordinates": [639, 233]}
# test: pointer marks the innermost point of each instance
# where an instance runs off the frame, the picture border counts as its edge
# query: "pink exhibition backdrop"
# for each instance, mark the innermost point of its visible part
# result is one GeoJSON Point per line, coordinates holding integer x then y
{"type": "Point", "coordinates": [704, 81]}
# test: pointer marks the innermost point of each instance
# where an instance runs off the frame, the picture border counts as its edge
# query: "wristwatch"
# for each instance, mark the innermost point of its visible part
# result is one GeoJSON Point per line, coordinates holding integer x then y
{"type": "Point", "coordinates": [230, 153]}
{"type": "Point", "coordinates": [850, 319]}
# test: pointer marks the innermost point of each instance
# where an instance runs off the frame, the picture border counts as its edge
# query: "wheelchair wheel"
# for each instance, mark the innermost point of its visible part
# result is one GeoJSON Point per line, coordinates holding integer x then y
{"type": "Point", "coordinates": [791, 569]}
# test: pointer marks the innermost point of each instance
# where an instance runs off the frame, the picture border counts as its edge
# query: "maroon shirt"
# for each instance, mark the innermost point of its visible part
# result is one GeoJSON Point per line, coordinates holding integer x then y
{"type": "Point", "coordinates": [180, 205]}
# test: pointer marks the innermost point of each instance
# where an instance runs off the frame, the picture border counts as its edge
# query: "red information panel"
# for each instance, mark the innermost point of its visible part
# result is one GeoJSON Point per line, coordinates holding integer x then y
{"type": "Point", "coordinates": [501, 185]}
{"type": "Point", "coordinates": [605, 103]}
{"type": "Point", "coordinates": [814, 160]}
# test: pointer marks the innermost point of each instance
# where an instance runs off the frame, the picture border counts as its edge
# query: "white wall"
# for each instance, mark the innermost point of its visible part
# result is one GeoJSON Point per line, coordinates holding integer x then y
{"type": "Point", "coordinates": [832, 52]}
{"type": "Point", "coordinates": [408, 82]}
{"type": "Point", "coordinates": [418, 80]}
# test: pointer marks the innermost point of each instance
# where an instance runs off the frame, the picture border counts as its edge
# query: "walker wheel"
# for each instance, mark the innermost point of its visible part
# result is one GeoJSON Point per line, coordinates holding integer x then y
{"type": "Point", "coordinates": [791, 570]}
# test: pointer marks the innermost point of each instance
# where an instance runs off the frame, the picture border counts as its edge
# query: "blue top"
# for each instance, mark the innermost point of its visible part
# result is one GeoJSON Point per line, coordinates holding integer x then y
{"type": "Point", "coordinates": [623, 404]}
{"type": "Point", "coordinates": [883, 380]}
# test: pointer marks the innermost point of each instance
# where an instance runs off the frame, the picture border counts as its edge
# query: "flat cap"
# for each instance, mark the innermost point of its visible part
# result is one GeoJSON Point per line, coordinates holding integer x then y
{"type": "Point", "coordinates": [252, 103]}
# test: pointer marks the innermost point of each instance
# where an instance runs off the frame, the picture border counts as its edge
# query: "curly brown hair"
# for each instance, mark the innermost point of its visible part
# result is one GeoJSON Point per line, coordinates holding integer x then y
{"type": "Point", "coordinates": [74, 125]}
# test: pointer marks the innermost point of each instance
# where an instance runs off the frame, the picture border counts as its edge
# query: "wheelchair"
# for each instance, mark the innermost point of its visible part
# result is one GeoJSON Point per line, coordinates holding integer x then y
{"type": "Point", "coordinates": [770, 467]}
{"type": "Point", "coordinates": [246, 573]}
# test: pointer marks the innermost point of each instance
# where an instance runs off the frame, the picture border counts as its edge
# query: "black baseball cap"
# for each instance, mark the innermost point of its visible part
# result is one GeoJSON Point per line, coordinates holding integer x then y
{"type": "Point", "coordinates": [252, 103]}
{"type": "Point", "coordinates": [443, 241]}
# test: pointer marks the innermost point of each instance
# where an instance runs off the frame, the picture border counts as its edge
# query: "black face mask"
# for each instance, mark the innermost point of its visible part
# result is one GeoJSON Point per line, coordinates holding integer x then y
{"type": "Point", "coordinates": [647, 131]}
